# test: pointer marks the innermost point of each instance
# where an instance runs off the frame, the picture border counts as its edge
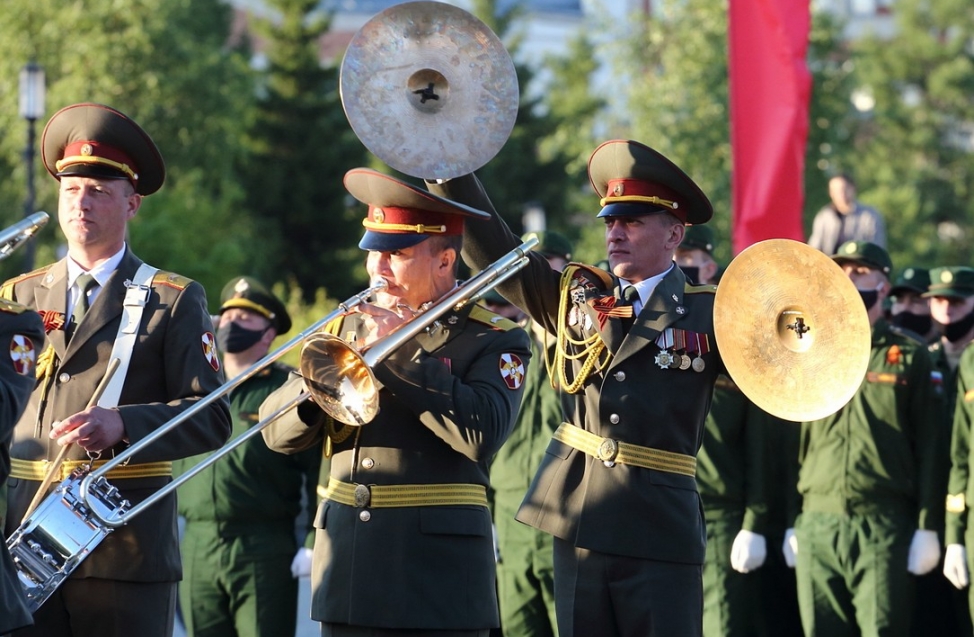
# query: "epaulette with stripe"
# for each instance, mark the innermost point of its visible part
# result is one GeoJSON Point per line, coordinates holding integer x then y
{"type": "Point", "coordinates": [596, 276]}
{"type": "Point", "coordinates": [905, 333]}
{"type": "Point", "coordinates": [171, 279]}
{"type": "Point", "coordinates": [496, 321]}
{"type": "Point", "coordinates": [10, 307]}
{"type": "Point", "coordinates": [7, 289]}
{"type": "Point", "coordinates": [689, 288]}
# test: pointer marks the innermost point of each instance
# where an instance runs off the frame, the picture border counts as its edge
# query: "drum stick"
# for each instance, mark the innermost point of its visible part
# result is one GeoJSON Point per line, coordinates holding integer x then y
{"type": "Point", "coordinates": [62, 454]}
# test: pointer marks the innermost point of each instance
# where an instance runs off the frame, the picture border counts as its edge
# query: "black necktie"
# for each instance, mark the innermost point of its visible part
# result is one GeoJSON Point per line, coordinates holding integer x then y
{"type": "Point", "coordinates": [84, 282]}
{"type": "Point", "coordinates": [630, 295]}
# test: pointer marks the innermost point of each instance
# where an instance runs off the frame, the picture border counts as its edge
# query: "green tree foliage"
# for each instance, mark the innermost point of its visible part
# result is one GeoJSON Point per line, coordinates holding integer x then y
{"type": "Point", "coordinates": [521, 175]}
{"type": "Point", "coordinates": [912, 154]}
{"type": "Point", "coordinates": [166, 64]}
{"type": "Point", "coordinates": [300, 148]}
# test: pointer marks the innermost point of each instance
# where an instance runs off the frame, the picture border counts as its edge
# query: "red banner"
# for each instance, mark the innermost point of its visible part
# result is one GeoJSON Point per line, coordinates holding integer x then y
{"type": "Point", "coordinates": [769, 89]}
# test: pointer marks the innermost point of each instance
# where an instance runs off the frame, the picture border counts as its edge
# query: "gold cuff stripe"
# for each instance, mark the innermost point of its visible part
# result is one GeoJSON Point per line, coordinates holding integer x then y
{"type": "Point", "coordinates": [91, 159]}
{"type": "Point", "coordinates": [37, 469]}
{"type": "Point", "coordinates": [956, 503]}
{"type": "Point", "coordinates": [403, 227]}
{"type": "Point", "coordinates": [645, 457]}
{"type": "Point", "coordinates": [672, 205]}
{"type": "Point", "coordinates": [407, 495]}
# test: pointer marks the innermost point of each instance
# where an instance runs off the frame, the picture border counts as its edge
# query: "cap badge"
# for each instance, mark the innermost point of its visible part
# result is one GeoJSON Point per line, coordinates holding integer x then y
{"type": "Point", "coordinates": [909, 273]}
{"type": "Point", "coordinates": [378, 215]}
{"type": "Point", "coordinates": [86, 149]}
{"type": "Point", "coordinates": [851, 248]}
{"type": "Point", "coordinates": [241, 286]}
{"type": "Point", "coordinates": [618, 190]}
{"type": "Point", "coordinates": [946, 276]}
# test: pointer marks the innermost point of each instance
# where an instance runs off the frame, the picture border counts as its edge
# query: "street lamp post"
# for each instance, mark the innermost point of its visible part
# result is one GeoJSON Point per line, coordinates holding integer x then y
{"type": "Point", "coordinates": [32, 93]}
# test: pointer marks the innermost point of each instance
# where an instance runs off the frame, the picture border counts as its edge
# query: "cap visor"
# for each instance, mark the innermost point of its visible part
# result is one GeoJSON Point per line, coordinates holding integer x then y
{"type": "Point", "coordinates": [630, 210]}
{"type": "Point", "coordinates": [388, 242]}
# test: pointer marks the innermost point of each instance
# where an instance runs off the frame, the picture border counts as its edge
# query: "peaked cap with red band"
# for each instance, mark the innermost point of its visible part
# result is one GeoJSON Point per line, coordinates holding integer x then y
{"type": "Point", "coordinates": [633, 179]}
{"type": "Point", "coordinates": [94, 140]}
{"type": "Point", "coordinates": [401, 215]}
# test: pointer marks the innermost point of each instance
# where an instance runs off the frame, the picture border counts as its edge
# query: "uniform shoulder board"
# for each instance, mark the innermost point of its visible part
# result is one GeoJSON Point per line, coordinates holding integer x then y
{"type": "Point", "coordinates": [587, 273]}
{"type": "Point", "coordinates": [689, 288]}
{"type": "Point", "coordinates": [7, 289]}
{"type": "Point", "coordinates": [496, 321]}
{"type": "Point", "coordinates": [171, 279]}
{"type": "Point", "coordinates": [909, 334]}
{"type": "Point", "coordinates": [10, 307]}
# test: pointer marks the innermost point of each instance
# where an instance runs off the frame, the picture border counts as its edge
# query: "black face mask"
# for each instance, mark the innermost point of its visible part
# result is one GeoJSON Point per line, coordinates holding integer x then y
{"type": "Point", "coordinates": [955, 331]}
{"type": "Point", "coordinates": [869, 297]}
{"type": "Point", "coordinates": [692, 273]}
{"type": "Point", "coordinates": [234, 339]}
{"type": "Point", "coordinates": [918, 323]}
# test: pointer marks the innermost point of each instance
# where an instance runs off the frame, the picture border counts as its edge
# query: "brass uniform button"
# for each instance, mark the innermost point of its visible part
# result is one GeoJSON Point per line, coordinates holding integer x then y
{"type": "Point", "coordinates": [368, 463]}
{"type": "Point", "coordinates": [64, 377]}
{"type": "Point", "coordinates": [614, 419]}
{"type": "Point", "coordinates": [365, 516]}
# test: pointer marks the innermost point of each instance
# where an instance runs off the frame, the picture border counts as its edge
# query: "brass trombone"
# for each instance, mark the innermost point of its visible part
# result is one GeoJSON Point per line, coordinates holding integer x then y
{"type": "Point", "coordinates": [340, 379]}
{"type": "Point", "coordinates": [11, 238]}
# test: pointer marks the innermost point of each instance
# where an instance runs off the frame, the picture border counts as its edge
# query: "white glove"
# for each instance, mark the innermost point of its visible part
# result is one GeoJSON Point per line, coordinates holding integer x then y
{"type": "Point", "coordinates": [789, 548]}
{"type": "Point", "coordinates": [924, 552]}
{"type": "Point", "coordinates": [748, 551]}
{"type": "Point", "coordinates": [955, 565]}
{"type": "Point", "coordinates": [301, 564]}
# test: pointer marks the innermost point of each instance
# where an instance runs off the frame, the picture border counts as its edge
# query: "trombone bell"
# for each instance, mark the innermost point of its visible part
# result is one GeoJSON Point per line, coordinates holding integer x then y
{"type": "Point", "coordinates": [339, 379]}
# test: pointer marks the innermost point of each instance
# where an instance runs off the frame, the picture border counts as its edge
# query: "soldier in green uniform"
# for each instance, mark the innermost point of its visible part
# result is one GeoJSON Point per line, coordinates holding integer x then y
{"type": "Point", "coordinates": [100, 303]}
{"type": "Point", "coordinates": [525, 572]}
{"type": "Point", "coordinates": [240, 555]}
{"type": "Point", "coordinates": [403, 541]}
{"type": "Point", "coordinates": [909, 308]}
{"type": "Point", "coordinates": [730, 478]}
{"type": "Point", "coordinates": [635, 349]}
{"type": "Point", "coordinates": [871, 497]}
{"type": "Point", "coordinates": [23, 331]}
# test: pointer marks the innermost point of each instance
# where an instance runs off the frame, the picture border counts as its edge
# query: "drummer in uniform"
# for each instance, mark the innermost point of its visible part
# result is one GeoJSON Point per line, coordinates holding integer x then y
{"type": "Point", "coordinates": [635, 348]}
{"type": "Point", "coordinates": [100, 303]}
{"type": "Point", "coordinates": [403, 540]}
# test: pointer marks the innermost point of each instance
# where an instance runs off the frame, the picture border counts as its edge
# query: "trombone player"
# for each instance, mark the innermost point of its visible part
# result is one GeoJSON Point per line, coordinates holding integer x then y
{"type": "Point", "coordinates": [106, 164]}
{"type": "Point", "coordinates": [403, 535]}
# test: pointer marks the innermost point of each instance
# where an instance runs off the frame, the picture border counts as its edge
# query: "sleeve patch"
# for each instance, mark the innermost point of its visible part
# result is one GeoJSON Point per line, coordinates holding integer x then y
{"type": "Point", "coordinates": [512, 370]}
{"type": "Point", "coordinates": [209, 351]}
{"type": "Point", "coordinates": [22, 354]}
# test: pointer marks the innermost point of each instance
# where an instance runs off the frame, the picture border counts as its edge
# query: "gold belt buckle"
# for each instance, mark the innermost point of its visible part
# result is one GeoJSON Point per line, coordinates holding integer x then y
{"type": "Point", "coordinates": [363, 496]}
{"type": "Point", "coordinates": [607, 452]}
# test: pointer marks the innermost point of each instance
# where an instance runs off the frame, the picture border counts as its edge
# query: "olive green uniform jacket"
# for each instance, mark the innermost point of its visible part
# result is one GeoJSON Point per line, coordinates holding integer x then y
{"type": "Point", "coordinates": [169, 372]}
{"type": "Point", "coordinates": [448, 401]}
{"type": "Point", "coordinates": [252, 484]}
{"type": "Point", "coordinates": [22, 333]}
{"type": "Point", "coordinates": [884, 450]}
{"type": "Point", "coordinates": [960, 488]}
{"type": "Point", "coordinates": [622, 510]}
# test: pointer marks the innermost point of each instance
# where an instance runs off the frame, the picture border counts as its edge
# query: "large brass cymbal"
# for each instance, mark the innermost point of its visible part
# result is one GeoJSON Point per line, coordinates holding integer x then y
{"type": "Point", "coordinates": [792, 330]}
{"type": "Point", "coordinates": [429, 89]}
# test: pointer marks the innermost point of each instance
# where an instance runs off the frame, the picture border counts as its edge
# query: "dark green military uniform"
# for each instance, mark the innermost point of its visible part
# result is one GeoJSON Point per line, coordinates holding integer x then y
{"type": "Point", "coordinates": [403, 534]}
{"type": "Point", "coordinates": [525, 573]}
{"type": "Point", "coordinates": [23, 333]}
{"type": "Point", "coordinates": [869, 481]}
{"type": "Point", "coordinates": [960, 489]}
{"type": "Point", "coordinates": [629, 531]}
{"type": "Point", "coordinates": [730, 477]}
{"type": "Point", "coordinates": [240, 528]}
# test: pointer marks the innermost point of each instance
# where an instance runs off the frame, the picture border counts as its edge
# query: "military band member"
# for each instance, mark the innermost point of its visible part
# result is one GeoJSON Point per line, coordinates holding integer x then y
{"type": "Point", "coordinates": [106, 164]}
{"type": "Point", "coordinates": [403, 536]}
{"type": "Point", "coordinates": [240, 556]}
{"type": "Point", "coordinates": [23, 333]}
{"type": "Point", "coordinates": [616, 488]}
{"type": "Point", "coordinates": [872, 500]}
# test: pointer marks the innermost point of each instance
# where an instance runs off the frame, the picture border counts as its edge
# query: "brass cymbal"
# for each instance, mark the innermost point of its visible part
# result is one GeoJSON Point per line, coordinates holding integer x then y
{"type": "Point", "coordinates": [792, 330]}
{"type": "Point", "coordinates": [429, 89]}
